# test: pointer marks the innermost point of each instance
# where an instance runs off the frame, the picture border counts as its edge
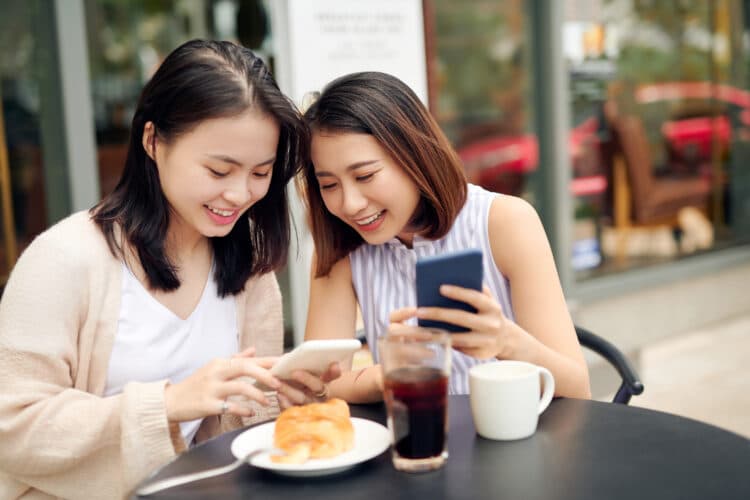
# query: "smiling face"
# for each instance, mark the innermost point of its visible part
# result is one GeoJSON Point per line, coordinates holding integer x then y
{"type": "Point", "coordinates": [212, 174]}
{"type": "Point", "coordinates": [362, 185]}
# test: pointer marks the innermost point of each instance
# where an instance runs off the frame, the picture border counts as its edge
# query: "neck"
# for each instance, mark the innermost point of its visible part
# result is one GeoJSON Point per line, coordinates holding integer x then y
{"type": "Point", "coordinates": [407, 238]}
{"type": "Point", "coordinates": [185, 246]}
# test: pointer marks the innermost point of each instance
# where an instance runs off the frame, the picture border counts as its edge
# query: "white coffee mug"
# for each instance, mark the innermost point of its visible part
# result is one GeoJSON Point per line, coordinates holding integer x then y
{"type": "Point", "coordinates": [505, 398]}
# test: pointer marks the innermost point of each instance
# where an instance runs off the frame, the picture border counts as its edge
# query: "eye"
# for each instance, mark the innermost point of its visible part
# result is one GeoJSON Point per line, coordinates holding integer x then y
{"type": "Point", "coordinates": [327, 187]}
{"type": "Point", "coordinates": [365, 178]}
{"type": "Point", "coordinates": [216, 173]}
{"type": "Point", "coordinates": [262, 175]}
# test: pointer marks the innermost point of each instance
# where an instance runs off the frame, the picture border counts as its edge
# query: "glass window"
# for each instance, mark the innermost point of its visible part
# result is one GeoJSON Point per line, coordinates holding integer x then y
{"type": "Point", "coordinates": [659, 130]}
{"type": "Point", "coordinates": [479, 77]}
{"type": "Point", "coordinates": [30, 146]}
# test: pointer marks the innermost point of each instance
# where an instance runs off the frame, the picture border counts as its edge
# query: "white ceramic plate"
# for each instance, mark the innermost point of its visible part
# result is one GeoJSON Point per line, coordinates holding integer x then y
{"type": "Point", "coordinates": [370, 440]}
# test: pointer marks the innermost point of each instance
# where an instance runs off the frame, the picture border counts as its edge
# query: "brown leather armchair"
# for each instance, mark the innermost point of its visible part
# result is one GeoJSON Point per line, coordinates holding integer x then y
{"type": "Point", "coordinates": [654, 199]}
{"type": "Point", "coordinates": [644, 205]}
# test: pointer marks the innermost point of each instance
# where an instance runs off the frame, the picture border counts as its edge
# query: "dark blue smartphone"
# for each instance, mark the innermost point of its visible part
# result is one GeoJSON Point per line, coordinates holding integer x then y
{"type": "Point", "coordinates": [463, 268]}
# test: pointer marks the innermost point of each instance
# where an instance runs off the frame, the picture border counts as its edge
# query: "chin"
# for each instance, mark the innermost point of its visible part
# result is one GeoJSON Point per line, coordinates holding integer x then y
{"type": "Point", "coordinates": [376, 239]}
{"type": "Point", "coordinates": [217, 232]}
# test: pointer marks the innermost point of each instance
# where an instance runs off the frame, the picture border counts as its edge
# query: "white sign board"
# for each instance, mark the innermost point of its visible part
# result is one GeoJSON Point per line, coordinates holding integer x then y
{"type": "Point", "coordinates": [330, 38]}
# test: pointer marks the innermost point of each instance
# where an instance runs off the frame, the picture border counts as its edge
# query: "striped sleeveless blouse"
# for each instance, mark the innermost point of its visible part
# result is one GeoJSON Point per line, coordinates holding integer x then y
{"type": "Point", "coordinates": [384, 276]}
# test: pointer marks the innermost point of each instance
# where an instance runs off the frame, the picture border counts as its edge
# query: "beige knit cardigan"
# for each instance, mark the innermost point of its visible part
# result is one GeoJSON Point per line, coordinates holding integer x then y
{"type": "Point", "coordinates": [58, 318]}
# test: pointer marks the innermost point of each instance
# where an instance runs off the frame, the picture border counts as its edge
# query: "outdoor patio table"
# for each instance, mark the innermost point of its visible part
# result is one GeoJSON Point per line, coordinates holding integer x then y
{"type": "Point", "coordinates": [581, 450]}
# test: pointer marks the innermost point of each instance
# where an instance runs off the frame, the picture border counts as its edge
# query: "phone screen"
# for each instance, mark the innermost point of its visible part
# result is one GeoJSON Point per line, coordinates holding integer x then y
{"type": "Point", "coordinates": [462, 269]}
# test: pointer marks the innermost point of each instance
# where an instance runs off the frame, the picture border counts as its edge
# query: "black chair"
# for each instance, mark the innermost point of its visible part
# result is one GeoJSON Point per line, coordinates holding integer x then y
{"type": "Point", "coordinates": [631, 384]}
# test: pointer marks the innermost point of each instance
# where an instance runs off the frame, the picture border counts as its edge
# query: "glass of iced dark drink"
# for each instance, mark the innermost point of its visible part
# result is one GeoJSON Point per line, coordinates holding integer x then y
{"type": "Point", "coordinates": [416, 368]}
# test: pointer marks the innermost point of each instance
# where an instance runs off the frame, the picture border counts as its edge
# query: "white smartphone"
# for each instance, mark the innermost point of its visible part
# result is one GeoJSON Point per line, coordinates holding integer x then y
{"type": "Point", "coordinates": [315, 356]}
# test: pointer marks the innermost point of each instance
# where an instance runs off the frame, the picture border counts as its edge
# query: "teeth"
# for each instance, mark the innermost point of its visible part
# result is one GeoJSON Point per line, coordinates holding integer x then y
{"type": "Point", "coordinates": [223, 213]}
{"type": "Point", "coordinates": [370, 220]}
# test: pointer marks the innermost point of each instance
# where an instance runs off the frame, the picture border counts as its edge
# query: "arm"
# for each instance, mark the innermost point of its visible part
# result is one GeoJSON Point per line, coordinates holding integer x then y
{"type": "Point", "coordinates": [55, 436]}
{"type": "Point", "coordinates": [332, 313]}
{"type": "Point", "coordinates": [543, 332]}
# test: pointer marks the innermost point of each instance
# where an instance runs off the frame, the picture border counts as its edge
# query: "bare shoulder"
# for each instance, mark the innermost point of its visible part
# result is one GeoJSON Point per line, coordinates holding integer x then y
{"type": "Point", "coordinates": [508, 212]}
{"type": "Point", "coordinates": [340, 274]}
{"type": "Point", "coordinates": [515, 232]}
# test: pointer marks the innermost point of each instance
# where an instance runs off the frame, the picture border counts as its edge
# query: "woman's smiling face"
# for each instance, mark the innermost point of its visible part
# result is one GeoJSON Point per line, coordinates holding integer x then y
{"type": "Point", "coordinates": [363, 186]}
{"type": "Point", "coordinates": [214, 173]}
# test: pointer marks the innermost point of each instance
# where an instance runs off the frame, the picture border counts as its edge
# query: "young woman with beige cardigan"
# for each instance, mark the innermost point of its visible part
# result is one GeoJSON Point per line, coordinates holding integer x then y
{"type": "Point", "coordinates": [125, 331]}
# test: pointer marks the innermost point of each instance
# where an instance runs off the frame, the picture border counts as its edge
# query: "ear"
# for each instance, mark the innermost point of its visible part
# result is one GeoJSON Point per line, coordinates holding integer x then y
{"type": "Point", "coordinates": [148, 140]}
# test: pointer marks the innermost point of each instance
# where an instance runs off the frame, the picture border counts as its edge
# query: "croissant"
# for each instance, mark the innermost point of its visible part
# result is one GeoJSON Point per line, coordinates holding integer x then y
{"type": "Point", "coordinates": [316, 430]}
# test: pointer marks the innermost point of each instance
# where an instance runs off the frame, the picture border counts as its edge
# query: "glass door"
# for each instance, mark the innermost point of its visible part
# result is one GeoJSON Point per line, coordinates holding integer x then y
{"type": "Point", "coordinates": [29, 140]}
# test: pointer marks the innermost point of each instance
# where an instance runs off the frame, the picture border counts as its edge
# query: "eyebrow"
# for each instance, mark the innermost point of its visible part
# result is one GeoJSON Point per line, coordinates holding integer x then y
{"type": "Point", "coordinates": [229, 159]}
{"type": "Point", "coordinates": [353, 166]}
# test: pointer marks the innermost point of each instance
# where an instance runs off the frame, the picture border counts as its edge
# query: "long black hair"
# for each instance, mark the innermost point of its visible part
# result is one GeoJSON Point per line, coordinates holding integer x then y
{"type": "Point", "coordinates": [198, 81]}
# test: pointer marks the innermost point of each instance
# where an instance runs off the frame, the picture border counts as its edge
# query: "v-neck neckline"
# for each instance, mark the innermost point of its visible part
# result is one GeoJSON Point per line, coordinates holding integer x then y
{"type": "Point", "coordinates": [160, 305]}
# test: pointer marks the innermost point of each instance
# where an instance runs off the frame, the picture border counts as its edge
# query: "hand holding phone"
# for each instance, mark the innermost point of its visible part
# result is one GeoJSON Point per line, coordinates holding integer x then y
{"type": "Point", "coordinates": [463, 268]}
{"type": "Point", "coordinates": [315, 356]}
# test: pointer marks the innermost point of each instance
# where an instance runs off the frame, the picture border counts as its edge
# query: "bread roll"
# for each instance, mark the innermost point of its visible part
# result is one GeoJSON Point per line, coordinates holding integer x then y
{"type": "Point", "coordinates": [316, 430]}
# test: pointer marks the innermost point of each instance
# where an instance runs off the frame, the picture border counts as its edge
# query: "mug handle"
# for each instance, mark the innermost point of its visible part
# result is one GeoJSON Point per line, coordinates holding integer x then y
{"type": "Point", "coordinates": [549, 388]}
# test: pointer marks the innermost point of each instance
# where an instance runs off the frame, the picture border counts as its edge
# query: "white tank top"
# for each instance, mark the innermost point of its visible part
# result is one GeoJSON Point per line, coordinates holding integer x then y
{"type": "Point", "coordinates": [384, 276]}
{"type": "Point", "coordinates": [152, 343]}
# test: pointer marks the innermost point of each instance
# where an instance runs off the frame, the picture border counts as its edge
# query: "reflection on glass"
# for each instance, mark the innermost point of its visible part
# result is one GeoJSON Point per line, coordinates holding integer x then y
{"type": "Point", "coordinates": [658, 98]}
{"type": "Point", "coordinates": [481, 80]}
{"type": "Point", "coordinates": [20, 77]}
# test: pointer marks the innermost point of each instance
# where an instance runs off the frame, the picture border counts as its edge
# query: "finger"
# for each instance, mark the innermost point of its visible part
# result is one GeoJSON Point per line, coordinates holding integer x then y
{"type": "Point", "coordinates": [239, 407]}
{"type": "Point", "coordinates": [266, 361]}
{"type": "Point", "coordinates": [400, 315]}
{"type": "Point", "coordinates": [294, 395]}
{"type": "Point", "coordinates": [284, 402]}
{"type": "Point", "coordinates": [241, 389]}
{"type": "Point", "coordinates": [469, 320]}
{"type": "Point", "coordinates": [472, 341]}
{"type": "Point", "coordinates": [256, 368]}
{"type": "Point", "coordinates": [309, 382]}
{"type": "Point", "coordinates": [333, 372]}
{"type": "Point", "coordinates": [247, 353]}
{"type": "Point", "coordinates": [481, 301]}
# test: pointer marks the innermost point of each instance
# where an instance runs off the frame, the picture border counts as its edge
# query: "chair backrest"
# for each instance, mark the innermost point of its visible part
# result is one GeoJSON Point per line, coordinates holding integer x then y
{"type": "Point", "coordinates": [638, 160]}
{"type": "Point", "coordinates": [631, 384]}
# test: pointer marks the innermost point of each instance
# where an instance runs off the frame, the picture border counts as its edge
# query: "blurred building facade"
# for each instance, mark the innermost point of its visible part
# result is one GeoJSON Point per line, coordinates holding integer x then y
{"type": "Point", "coordinates": [625, 122]}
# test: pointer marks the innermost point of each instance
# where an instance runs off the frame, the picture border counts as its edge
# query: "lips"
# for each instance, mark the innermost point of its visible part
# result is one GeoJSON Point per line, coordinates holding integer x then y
{"type": "Point", "coordinates": [220, 212]}
{"type": "Point", "coordinates": [369, 220]}
{"type": "Point", "coordinates": [221, 216]}
{"type": "Point", "coordinates": [370, 223]}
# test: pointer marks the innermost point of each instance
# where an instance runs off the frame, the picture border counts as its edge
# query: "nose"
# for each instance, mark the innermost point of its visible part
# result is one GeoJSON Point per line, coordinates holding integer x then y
{"type": "Point", "coordinates": [239, 191]}
{"type": "Point", "coordinates": [352, 201]}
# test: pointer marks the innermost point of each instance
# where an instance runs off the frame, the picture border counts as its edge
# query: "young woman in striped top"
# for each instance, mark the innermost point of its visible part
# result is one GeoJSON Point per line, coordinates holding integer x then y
{"type": "Point", "coordinates": [383, 188]}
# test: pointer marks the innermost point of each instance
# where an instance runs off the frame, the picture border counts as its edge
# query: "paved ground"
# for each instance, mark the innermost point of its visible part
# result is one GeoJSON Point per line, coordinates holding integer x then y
{"type": "Point", "coordinates": [703, 375]}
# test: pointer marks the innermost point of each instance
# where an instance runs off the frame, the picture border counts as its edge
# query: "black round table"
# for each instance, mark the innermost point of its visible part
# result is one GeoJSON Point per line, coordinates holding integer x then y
{"type": "Point", "coordinates": [581, 450]}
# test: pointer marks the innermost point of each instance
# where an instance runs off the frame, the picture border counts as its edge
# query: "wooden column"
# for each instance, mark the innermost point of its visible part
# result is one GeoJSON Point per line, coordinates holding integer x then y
{"type": "Point", "coordinates": [9, 227]}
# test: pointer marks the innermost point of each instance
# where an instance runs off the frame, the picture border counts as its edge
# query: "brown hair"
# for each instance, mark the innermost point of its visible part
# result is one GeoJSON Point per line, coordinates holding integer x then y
{"type": "Point", "coordinates": [383, 106]}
